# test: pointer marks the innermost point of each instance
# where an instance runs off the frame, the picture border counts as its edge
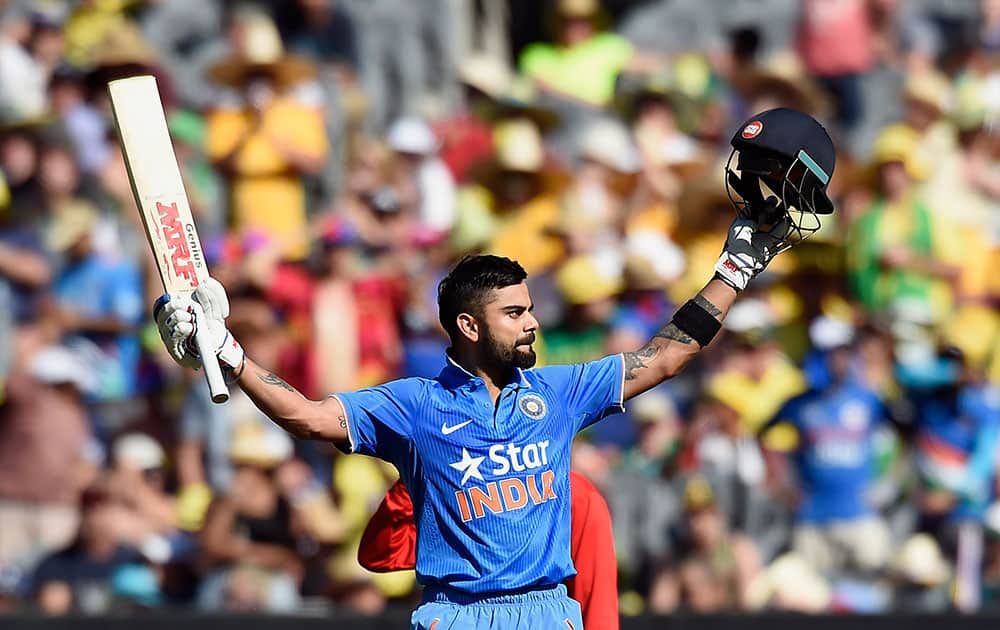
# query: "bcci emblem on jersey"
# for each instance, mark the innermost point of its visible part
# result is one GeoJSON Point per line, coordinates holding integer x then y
{"type": "Point", "coordinates": [533, 406]}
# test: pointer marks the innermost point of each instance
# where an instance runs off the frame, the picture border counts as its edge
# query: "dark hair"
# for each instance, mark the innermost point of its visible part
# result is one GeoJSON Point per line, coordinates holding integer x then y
{"type": "Point", "coordinates": [467, 287]}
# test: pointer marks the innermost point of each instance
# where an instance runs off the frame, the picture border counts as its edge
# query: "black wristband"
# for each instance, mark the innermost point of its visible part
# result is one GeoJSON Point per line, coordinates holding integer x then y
{"type": "Point", "coordinates": [696, 322]}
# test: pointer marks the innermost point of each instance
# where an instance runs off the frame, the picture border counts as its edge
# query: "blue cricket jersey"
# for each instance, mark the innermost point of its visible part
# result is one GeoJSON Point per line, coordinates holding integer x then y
{"type": "Point", "coordinates": [957, 441]}
{"type": "Point", "coordinates": [490, 489]}
{"type": "Point", "coordinates": [835, 458]}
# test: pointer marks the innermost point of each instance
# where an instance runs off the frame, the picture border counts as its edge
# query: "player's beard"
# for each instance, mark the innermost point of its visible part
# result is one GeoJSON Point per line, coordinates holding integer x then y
{"type": "Point", "coordinates": [511, 356]}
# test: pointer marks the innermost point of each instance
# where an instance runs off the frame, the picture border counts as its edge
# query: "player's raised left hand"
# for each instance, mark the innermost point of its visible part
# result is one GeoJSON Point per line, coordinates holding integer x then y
{"type": "Point", "coordinates": [179, 316]}
{"type": "Point", "coordinates": [747, 252]}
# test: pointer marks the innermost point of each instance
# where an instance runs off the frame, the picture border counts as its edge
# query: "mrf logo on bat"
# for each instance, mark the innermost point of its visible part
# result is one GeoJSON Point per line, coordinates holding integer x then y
{"type": "Point", "coordinates": [181, 242]}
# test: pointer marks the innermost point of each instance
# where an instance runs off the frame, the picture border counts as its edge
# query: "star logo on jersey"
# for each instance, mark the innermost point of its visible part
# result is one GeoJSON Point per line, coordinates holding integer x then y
{"type": "Point", "coordinates": [469, 466]}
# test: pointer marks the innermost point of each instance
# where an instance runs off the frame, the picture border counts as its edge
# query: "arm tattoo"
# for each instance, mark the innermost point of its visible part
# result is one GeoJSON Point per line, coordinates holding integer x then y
{"type": "Point", "coordinates": [273, 379]}
{"type": "Point", "coordinates": [673, 333]}
{"type": "Point", "coordinates": [343, 421]}
{"type": "Point", "coordinates": [637, 360]}
{"type": "Point", "coordinates": [712, 309]}
{"type": "Point", "coordinates": [640, 359]}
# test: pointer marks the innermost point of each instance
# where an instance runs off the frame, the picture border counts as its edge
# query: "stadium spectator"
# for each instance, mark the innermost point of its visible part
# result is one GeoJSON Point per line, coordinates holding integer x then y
{"type": "Point", "coordinates": [422, 179]}
{"type": "Point", "coordinates": [267, 141]}
{"type": "Point", "coordinates": [921, 574]}
{"type": "Point", "coordinates": [78, 577]}
{"type": "Point", "coordinates": [248, 535]}
{"type": "Point", "coordinates": [895, 246]}
{"type": "Point", "coordinates": [715, 567]}
{"type": "Point", "coordinates": [836, 526]}
{"type": "Point", "coordinates": [97, 301]}
{"type": "Point", "coordinates": [25, 267]}
{"type": "Point", "coordinates": [47, 454]}
{"type": "Point", "coordinates": [836, 45]}
{"type": "Point", "coordinates": [137, 482]}
{"type": "Point", "coordinates": [584, 61]}
{"type": "Point", "coordinates": [32, 48]}
{"type": "Point", "coordinates": [515, 204]}
{"type": "Point", "coordinates": [83, 123]}
{"type": "Point", "coordinates": [466, 136]}
{"type": "Point", "coordinates": [957, 420]}
{"type": "Point", "coordinates": [646, 504]}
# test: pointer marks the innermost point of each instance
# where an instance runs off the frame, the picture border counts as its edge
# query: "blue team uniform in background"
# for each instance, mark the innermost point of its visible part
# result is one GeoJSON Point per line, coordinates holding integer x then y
{"type": "Point", "coordinates": [101, 287]}
{"type": "Point", "coordinates": [957, 438]}
{"type": "Point", "coordinates": [835, 458]}
{"type": "Point", "coordinates": [490, 487]}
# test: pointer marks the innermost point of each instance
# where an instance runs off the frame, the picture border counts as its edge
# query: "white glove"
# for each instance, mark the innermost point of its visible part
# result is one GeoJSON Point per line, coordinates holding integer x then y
{"type": "Point", "coordinates": [178, 317]}
{"type": "Point", "coordinates": [747, 252]}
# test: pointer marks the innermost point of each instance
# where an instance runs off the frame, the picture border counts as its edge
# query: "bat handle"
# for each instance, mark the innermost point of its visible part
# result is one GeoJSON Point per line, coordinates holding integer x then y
{"type": "Point", "coordinates": [213, 373]}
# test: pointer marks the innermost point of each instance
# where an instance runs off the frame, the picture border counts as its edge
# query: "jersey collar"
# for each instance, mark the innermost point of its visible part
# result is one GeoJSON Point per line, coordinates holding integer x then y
{"type": "Point", "coordinates": [454, 375]}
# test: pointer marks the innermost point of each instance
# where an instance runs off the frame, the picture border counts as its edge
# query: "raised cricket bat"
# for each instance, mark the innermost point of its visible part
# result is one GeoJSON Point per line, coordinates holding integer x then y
{"type": "Point", "coordinates": [162, 202]}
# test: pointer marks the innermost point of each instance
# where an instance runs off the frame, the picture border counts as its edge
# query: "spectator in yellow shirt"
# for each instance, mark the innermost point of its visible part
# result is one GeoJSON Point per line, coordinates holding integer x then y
{"type": "Point", "coordinates": [517, 205]}
{"type": "Point", "coordinates": [267, 143]}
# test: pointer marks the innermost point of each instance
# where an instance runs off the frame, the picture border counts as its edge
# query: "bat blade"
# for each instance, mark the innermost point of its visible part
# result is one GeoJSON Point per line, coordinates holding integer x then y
{"type": "Point", "coordinates": [160, 197]}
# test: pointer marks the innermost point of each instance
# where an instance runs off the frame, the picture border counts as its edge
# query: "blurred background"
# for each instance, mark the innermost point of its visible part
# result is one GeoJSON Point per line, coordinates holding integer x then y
{"type": "Point", "coordinates": [833, 451]}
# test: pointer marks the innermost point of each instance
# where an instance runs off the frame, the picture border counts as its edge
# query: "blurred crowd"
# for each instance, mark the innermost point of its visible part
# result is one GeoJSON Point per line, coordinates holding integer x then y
{"type": "Point", "coordinates": [835, 449]}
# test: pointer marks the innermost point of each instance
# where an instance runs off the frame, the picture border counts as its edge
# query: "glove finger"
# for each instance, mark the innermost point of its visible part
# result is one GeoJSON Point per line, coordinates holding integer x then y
{"type": "Point", "coordinates": [174, 304]}
{"type": "Point", "coordinates": [743, 222]}
{"type": "Point", "coordinates": [181, 330]}
{"type": "Point", "coordinates": [219, 296]}
{"type": "Point", "coordinates": [179, 317]}
{"type": "Point", "coordinates": [211, 295]}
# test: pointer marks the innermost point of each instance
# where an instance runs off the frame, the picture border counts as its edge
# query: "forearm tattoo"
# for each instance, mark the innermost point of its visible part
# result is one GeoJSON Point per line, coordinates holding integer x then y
{"type": "Point", "coordinates": [673, 333]}
{"type": "Point", "coordinates": [703, 302]}
{"type": "Point", "coordinates": [273, 379]}
{"type": "Point", "coordinates": [640, 359]}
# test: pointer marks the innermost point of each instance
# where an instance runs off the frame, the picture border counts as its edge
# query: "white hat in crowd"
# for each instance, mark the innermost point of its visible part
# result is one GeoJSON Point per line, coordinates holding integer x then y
{"type": "Point", "coordinates": [139, 451]}
{"type": "Point", "coordinates": [921, 561]}
{"type": "Point", "coordinates": [827, 333]}
{"type": "Point", "coordinates": [255, 445]}
{"type": "Point", "coordinates": [608, 142]}
{"type": "Point", "coordinates": [411, 135]}
{"type": "Point", "coordinates": [749, 315]}
{"type": "Point", "coordinates": [58, 365]}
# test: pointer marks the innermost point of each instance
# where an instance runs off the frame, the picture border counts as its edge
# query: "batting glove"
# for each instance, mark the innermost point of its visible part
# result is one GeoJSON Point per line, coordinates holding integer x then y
{"type": "Point", "coordinates": [178, 318]}
{"type": "Point", "coordinates": [747, 253]}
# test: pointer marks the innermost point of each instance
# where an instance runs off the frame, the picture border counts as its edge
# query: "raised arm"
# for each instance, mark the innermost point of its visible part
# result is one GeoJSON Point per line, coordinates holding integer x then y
{"type": "Point", "coordinates": [304, 418]}
{"type": "Point", "coordinates": [308, 419]}
{"type": "Point", "coordinates": [746, 253]}
{"type": "Point", "coordinates": [666, 354]}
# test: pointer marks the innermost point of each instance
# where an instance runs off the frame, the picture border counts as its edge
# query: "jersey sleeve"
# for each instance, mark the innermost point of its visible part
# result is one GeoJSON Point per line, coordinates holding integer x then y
{"type": "Point", "coordinates": [590, 391]}
{"type": "Point", "coordinates": [379, 418]}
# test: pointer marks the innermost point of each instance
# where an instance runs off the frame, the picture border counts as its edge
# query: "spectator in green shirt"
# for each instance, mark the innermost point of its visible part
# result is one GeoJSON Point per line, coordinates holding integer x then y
{"type": "Point", "coordinates": [896, 248]}
{"type": "Point", "coordinates": [583, 63]}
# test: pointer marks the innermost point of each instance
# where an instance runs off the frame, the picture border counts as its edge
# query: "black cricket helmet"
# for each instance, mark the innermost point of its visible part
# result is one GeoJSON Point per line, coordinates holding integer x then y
{"type": "Point", "coordinates": [778, 171]}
